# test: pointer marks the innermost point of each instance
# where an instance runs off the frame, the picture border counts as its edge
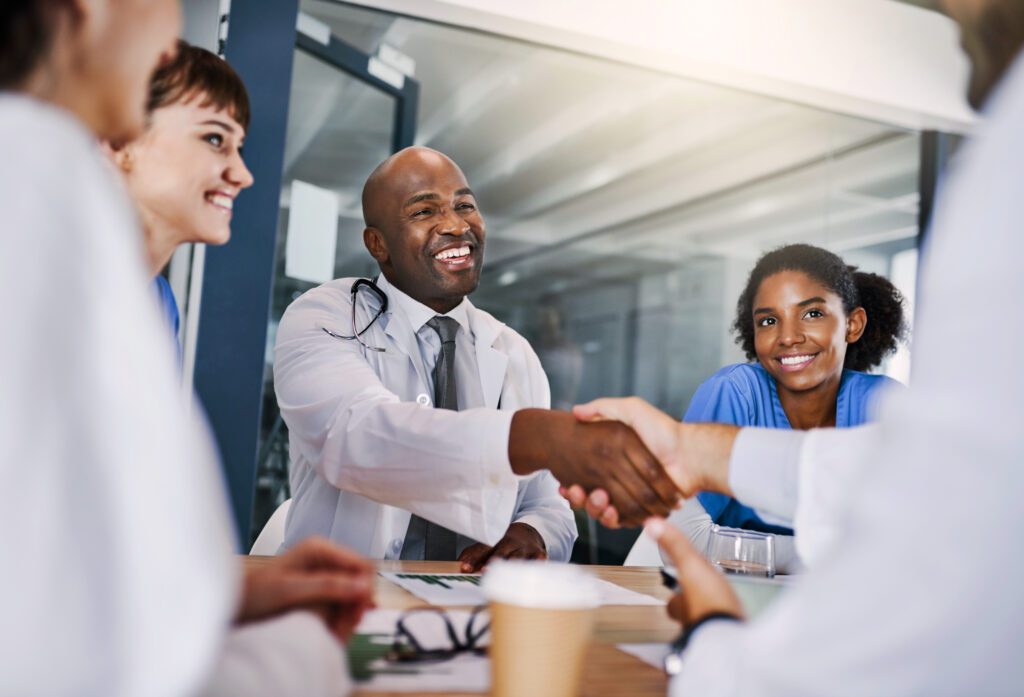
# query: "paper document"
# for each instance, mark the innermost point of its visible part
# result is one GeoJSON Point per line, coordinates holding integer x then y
{"type": "Point", "coordinates": [651, 654]}
{"type": "Point", "coordinates": [374, 673]}
{"type": "Point", "coordinates": [464, 589]}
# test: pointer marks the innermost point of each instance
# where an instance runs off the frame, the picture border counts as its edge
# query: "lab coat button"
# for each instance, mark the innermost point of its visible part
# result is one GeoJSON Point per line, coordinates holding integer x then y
{"type": "Point", "coordinates": [423, 400]}
{"type": "Point", "coordinates": [394, 550]}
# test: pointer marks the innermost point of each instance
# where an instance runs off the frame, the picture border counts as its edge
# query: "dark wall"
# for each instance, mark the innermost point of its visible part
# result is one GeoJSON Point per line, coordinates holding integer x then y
{"type": "Point", "coordinates": [238, 277]}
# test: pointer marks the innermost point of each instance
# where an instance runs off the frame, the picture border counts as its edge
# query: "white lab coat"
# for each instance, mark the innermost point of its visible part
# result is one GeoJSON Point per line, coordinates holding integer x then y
{"type": "Point", "coordinates": [367, 448]}
{"type": "Point", "coordinates": [911, 526]}
{"type": "Point", "coordinates": [119, 576]}
{"type": "Point", "coordinates": [117, 572]}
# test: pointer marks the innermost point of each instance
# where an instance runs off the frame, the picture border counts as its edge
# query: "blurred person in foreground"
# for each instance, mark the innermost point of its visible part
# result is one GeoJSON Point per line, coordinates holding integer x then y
{"type": "Point", "coordinates": [183, 173]}
{"type": "Point", "coordinates": [913, 524]}
{"type": "Point", "coordinates": [118, 575]}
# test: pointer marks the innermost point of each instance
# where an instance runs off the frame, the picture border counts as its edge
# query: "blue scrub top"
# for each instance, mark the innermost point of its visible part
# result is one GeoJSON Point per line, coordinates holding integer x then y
{"type": "Point", "coordinates": [169, 306]}
{"type": "Point", "coordinates": [745, 395]}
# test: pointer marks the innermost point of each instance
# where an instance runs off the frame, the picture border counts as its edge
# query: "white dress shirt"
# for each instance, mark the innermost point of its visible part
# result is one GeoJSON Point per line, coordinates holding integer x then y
{"type": "Point", "coordinates": [913, 527]}
{"type": "Point", "coordinates": [467, 373]}
{"type": "Point", "coordinates": [118, 571]}
{"type": "Point", "coordinates": [467, 377]}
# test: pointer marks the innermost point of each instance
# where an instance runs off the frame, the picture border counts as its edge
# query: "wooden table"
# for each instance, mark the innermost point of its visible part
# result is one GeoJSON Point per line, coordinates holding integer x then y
{"type": "Point", "coordinates": [608, 672]}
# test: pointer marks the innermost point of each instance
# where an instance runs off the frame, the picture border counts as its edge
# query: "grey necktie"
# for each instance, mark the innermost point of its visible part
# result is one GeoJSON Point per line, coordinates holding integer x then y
{"type": "Point", "coordinates": [438, 541]}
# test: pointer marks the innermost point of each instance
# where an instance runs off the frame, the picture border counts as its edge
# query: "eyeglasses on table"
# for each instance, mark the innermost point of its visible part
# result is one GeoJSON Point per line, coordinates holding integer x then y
{"type": "Point", "coordinates": [418, 628]}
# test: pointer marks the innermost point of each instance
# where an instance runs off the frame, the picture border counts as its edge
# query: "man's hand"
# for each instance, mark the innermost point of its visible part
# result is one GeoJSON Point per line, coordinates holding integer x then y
{"type": "Point", "coordinates": [521, 541]}
{"type": "Point", "coordinates": [696, 456]}
{"type": "Point", "coordinates": [315, 575]}
{"type": "Point", "coordinates": [703, 589]}
{"type": "Point", "coordinates": [603, 454]}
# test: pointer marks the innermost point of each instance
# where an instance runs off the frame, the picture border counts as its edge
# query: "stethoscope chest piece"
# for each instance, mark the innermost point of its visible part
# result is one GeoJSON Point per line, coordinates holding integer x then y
{"type": "Point", "coordinates": [423, 400]}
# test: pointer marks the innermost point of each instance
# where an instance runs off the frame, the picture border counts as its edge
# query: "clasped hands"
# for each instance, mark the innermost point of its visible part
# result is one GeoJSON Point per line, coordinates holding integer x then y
{"type": "Point", "coordinates": [692, 457]}
{"type": "Point", "coordinates": [674, 460]}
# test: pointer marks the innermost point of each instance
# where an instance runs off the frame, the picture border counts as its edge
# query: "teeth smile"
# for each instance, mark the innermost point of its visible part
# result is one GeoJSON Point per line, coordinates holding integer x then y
{"type": "Point", "coordinates": [221, 200]}
{"type": "Point", "coordinates": [453, 253]}
{"type": "Point", "coordinates": [795, 360]}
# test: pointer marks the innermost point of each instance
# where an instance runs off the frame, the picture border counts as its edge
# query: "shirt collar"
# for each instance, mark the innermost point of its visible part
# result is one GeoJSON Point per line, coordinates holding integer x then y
{"type": "Point", "coordinates": [419, 314]}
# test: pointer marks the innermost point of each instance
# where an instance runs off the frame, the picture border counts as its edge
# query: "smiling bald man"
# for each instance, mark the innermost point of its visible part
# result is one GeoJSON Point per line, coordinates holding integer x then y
{"type": "Point", "coordinates": [419, 424]}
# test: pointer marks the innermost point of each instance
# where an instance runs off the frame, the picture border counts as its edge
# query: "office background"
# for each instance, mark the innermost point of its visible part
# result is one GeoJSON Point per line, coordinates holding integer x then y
{"type": "Point", "coordinates": [624, 205]}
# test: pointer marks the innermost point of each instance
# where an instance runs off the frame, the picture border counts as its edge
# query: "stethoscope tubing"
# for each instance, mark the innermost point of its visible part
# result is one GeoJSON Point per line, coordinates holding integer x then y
{"type": "Point", "coordinates": [357, 335]}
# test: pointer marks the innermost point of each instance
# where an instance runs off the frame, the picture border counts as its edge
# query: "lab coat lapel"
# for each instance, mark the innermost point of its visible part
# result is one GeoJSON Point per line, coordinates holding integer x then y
{"type": "Point", "coordinates": [492, 362]}
{"type": "Point", "coordinates": [403, 340]}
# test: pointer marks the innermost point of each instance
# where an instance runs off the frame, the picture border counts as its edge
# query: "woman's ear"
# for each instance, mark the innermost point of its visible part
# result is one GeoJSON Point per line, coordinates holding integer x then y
{"type": "Point", "coordinates": [856, 323]}
{"type": "Point", "coordinates": [376, 245]}
{"type": "Point", "coordinates": [119, 154]}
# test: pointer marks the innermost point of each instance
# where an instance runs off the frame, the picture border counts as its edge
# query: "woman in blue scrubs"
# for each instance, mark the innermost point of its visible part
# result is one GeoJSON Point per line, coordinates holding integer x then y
{"type": "Point", "coordinates": [811, 326]}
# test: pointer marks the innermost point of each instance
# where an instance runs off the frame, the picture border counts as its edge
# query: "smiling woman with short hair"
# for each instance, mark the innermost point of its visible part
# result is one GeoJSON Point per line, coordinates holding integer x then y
{"type": "Point", "coordinates": [186, 169]}
{"type": "Point", "coordinates": [810, 325]}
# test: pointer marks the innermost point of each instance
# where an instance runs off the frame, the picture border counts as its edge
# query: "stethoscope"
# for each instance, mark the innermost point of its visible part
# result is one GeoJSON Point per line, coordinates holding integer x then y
{"type": "Point", "coordinates": [383, 308]}
{"type": "Point", "coordinates": [422, 399]}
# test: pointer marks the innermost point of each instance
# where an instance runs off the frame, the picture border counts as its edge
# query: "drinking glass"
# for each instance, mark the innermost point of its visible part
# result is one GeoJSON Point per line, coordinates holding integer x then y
{"type": "Point", "coordinates": [742, 551]}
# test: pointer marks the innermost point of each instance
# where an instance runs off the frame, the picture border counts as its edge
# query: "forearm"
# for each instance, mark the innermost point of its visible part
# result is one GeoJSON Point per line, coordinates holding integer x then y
{"type": "Point", "coordinates": [832, 467]}
{"type": "Point", "coordinates": [448, 467]}
{"type": "Point", "coordinates": [596, 454]}
{"type": "Point", "coordinates": [531, 435]}
{"type": "Point", "coordinates": [763, 470]}
{"type": "Point", "coordinates": [366, 435]}
{"type": "Point", "coordinates": [388, 451]}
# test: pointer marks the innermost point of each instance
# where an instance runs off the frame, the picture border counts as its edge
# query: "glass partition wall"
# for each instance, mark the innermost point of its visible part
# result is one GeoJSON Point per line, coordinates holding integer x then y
{"type": "Point", "coordinates": [624, 207]}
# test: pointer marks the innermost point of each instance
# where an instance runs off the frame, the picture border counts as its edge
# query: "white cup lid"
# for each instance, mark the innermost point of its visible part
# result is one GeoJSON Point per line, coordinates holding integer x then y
{"type": "Point", "coordinates": [540, 584]}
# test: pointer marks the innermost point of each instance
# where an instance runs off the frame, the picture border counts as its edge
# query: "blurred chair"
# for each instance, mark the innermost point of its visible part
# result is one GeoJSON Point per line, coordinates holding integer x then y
{"type": "Point", "coordinates": [272, 535]}
{"type": "Point", "coordinates": [644, 553]}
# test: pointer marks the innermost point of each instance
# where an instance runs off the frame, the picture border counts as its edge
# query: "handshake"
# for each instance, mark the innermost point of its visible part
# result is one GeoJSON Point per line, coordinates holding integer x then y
{"type": "Point", "coordinates": [622, 459]}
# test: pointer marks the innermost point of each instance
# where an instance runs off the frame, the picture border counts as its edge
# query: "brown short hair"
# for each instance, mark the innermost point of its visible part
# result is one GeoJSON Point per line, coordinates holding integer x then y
{"type": "Point", "coordinates": [194, 71]}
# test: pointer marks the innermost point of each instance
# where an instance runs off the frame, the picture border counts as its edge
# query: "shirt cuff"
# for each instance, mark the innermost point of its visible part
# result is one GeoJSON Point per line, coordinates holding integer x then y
{"type": "Point", "coordinates": [709, 666]}
{"type": "Point", "coordinates": [764, 470]}
{"type": "Point", "coordinates": [541, 526]}
{"type": "Point", "coordinates": [497, 484]}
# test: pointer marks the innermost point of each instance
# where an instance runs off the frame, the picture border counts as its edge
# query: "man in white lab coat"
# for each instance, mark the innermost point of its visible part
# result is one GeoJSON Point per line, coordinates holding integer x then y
{"type": "Point", "coordinates": [397, 447]}
{"type": "Point", "coordinates": [911, 527]}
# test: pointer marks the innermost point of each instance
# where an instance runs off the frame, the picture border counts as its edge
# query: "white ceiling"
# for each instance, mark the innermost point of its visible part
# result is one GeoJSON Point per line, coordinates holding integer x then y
{"type": "Point", "coordinates": [588, 169]}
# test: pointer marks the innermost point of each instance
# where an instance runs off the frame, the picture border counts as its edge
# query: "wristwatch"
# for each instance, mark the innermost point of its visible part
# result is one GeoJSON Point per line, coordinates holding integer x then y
{"type": "Point", "coordinates": [674, 658]}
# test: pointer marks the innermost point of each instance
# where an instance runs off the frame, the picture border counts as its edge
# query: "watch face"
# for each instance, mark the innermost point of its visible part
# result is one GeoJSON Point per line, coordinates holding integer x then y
{"type": "Point", "coordinates": [673, 662]}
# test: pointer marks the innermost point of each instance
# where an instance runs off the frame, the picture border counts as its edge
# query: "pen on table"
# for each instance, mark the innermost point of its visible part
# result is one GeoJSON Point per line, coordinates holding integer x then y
{"type": "Point", "coordinates": [669, 579]}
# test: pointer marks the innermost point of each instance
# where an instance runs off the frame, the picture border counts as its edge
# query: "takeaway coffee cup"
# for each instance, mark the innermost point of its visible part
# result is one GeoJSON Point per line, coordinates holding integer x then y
{"type": "Point", "coordinates": [542, 616]}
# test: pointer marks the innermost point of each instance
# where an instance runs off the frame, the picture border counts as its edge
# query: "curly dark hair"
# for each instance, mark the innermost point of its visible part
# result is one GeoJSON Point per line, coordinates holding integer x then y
{"type": "Point", "coordinates": [882, 302]}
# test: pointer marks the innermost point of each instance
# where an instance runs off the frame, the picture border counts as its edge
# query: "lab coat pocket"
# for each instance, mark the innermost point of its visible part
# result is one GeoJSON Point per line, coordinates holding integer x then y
{"type": "Point", "coordinates": [397, 371]}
